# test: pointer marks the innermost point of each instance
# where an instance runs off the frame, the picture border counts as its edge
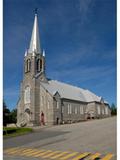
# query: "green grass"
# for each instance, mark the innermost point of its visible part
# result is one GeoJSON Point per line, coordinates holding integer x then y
{"type": "Point", "coordinates": [13, 131]}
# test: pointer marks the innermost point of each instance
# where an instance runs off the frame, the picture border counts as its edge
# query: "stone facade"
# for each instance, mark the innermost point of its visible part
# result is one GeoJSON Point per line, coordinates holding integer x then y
{"type": "Point", "coordinates": [39, 99]}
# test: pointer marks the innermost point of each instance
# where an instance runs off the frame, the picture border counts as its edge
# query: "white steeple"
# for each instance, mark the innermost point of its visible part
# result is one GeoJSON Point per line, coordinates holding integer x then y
{"type": "Point", "coordinates": [35, 41]}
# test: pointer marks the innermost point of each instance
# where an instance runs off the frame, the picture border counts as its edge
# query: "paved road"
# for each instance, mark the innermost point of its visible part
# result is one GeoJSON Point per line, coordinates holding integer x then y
{"type": "Point", "coordinates": [79, 139]}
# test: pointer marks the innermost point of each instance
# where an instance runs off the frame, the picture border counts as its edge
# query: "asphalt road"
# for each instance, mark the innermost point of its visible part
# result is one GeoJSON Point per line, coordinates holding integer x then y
{"type": "Point", "coordinates": [96, 136]}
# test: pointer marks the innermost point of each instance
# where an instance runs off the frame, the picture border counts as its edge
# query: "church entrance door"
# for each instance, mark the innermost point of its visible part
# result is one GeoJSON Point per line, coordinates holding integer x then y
{"type": "Point", "coordinates": [42, 121]}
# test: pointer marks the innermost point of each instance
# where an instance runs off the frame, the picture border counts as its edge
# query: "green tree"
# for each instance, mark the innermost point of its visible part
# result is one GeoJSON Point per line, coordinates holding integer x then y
{"type": "Point", "coordinates": [6, 114]}
{"type": "Point", "coordinates": [13, 116]}
{"type": "Point", "coordinates": [113, 109]}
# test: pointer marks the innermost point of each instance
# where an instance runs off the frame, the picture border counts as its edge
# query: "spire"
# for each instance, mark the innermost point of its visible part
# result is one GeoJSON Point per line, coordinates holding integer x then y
{"type": "Point", "coordinates": [35, 41]}
{"type": "Point", "coordinates": [43, 53]}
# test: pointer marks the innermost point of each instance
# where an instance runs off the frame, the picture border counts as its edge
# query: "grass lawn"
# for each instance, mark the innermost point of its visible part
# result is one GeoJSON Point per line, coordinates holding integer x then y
{"type": "Point", "coordinates": [14, 131]}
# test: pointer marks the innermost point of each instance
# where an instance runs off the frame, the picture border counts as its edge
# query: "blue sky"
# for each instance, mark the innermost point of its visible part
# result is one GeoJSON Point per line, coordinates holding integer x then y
{"type": "Point", "coordinates": [79, 37]}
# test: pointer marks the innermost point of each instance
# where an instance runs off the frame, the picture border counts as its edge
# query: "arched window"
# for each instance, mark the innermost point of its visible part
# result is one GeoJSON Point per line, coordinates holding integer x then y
{"type": "Point", "coordinates": [98, 109]}
{"type": "Point", "coordinates": [106, 110]}
{"type": "Point", "coordinates": [38, 65]}
{"type": "Point", "coordinates": [69, 109]}
{"type": "Point", "coordinates": [27, 110]}
{"type": "Point", "coordinates": [81, 110]}
{"type": "Point", "coordinates": [103, 111]}
{"type": "Point", "coordinates": [28, 65]}
{"type": "Point", "coordinates": [27, 95]}
{"type": "Point", "coordinates": [25, 66]}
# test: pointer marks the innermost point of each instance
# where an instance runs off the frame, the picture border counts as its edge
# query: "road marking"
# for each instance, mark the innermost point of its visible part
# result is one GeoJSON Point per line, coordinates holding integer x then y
{"type": "Point", "coordinates": [10, 149]}
{"type": "Point", "coordinates": [35, 152]}
{"type": "Point", "coordinates": [54, 154]}
{"type": "Point", "coordinates": [81, 156]}
{"type": "Point", "coordinates": [16, 151]}
{"type": "Point", "coordinates": [28, 152]}
{"type": "Point", "coordinates": [59, 155]}
{"type": "Point", "coordinates": [93, 157]}
{"type": "Point", "coordinates": [107, 157]}
{"type": "Point", "coordinates": [51, 154]}
{"type": "Point", "coordinates": [69, 155]}
{"type": "Point", "coordinates": [43, 153]}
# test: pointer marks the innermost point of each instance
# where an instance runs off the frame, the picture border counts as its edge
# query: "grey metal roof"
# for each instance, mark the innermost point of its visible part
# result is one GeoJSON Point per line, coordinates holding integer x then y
{"type": "Point", "coordinates": [35, 41]}
{"type": "Point", "coordinates": [70, 92]}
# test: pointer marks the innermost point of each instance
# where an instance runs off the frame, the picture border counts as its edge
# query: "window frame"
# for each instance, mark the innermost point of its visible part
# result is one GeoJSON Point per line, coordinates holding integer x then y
{"type": "Point", "coordinates": [69, 108]}
{"type": "Point", "coordinates": [76, 110]}
{"type": "Point", "coordinates": [98, 110]}
{"type": "Point", "coordinates": [27, 95]}
{"type": "Point", "coordinates": [81, 110]}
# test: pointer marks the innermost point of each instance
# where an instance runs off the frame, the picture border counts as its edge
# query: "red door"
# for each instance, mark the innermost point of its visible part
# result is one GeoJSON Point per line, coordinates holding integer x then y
{"type": "Point", "coordinates": [42, 119]}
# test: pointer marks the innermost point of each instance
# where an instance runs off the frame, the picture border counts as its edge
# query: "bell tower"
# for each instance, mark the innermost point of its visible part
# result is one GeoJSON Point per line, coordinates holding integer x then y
{"type": "Point", "coordinates": [28, 107]}
{"type": "Point", "coordinates": [34, 58]}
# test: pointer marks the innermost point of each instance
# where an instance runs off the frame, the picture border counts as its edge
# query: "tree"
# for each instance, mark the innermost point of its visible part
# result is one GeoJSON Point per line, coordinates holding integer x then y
{"type": "Point", "coordinates": [113, 109]}
{"type": "Point", "coordinates": [9, 117]}
{"type": "Point", "coordinates": [6, 114]}
{"type": "Point", "coordinates": [13, 116]}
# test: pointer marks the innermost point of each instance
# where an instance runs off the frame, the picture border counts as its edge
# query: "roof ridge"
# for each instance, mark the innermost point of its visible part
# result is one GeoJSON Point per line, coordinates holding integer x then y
{"type": "Point", "coordinates": [68, 84]}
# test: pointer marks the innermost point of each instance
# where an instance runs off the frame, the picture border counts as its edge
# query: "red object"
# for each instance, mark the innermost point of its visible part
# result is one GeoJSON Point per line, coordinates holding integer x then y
{"type": "Point", "coordinates": [42, 119]}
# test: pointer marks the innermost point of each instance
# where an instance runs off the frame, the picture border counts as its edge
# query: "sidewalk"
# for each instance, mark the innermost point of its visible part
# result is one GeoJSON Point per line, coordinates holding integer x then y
{"type": "Point", "coordinates": [37, 128]}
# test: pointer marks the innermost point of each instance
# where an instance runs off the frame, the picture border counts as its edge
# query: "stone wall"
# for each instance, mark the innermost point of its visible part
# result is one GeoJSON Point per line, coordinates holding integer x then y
{"type": "Point", "coordinates": [46, 105]}
{"type": "Point", "coordinates": [75, 114]}
{"type": "Point", "coordinates": [57, 110]}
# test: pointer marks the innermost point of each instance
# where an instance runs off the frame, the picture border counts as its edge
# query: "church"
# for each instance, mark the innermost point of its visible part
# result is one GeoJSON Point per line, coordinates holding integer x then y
{"type": "Point", "coordinates": [43, 101]}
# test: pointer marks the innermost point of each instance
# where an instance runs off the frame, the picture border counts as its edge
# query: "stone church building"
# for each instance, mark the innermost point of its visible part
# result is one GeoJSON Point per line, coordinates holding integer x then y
{"type": "Point", "coordinates": [45, 101]}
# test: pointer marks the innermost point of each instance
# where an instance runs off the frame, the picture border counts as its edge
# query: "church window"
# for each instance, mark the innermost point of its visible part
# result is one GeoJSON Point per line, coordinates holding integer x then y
{"type": "Point", "coordinates": [38, 65]}
{"type": "Point", "coordinates": [28, 65]}
{"type": "Point", "coordinates": [103, 112]}
{"type": "Point", "coordinates": [106, 110]}
{"type": "Point", "coordinates": [27, 95]}
{"type": "Point", "coordinates": [81, 110]}
{"type": "Point", "coordinates": [25, 67]}
{"type": "Point", "coordinates": [42, 100]}
{"type": "Point", "coordinates": [57, 104]}
{"type": "Point", "coordinates": [98, 109]}
{"type": "Point", "coordinates": [69, 109]}
{"type": "Point", "coordinates": [75, 110]}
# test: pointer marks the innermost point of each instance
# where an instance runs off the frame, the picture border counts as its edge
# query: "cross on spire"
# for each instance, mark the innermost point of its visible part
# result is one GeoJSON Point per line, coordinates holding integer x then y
{"type": "Point", "coordinates": [36, 10]}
